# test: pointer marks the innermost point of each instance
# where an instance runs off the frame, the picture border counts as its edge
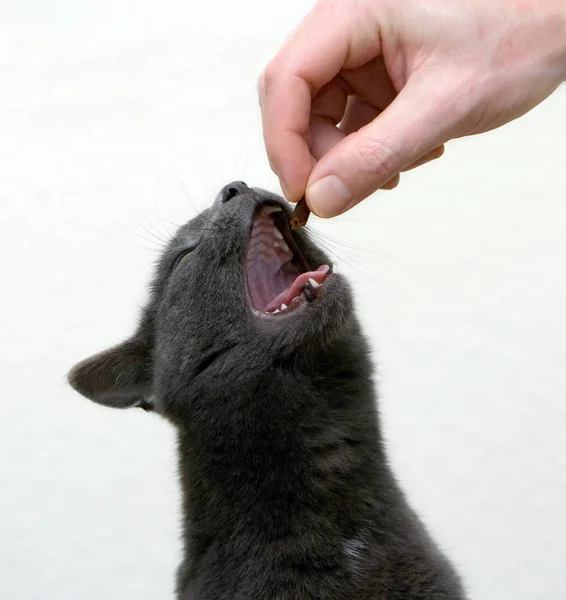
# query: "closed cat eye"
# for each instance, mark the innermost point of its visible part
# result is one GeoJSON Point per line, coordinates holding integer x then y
{"type": "Point", "coordinates": [184, 253]}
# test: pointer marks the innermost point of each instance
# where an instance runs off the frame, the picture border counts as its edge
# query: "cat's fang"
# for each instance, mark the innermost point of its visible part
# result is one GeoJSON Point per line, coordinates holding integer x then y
{"type": "Point", "coordinates": [314, 283]}
{"type": "Point", "coordinates": [283, 306]}
{"type": "Point", "coordinates": [282, 245]}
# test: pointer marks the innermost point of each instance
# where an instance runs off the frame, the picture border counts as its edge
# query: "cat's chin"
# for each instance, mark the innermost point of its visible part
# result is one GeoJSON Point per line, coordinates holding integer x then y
{"type": "Point", "coordinates": [323, 320]}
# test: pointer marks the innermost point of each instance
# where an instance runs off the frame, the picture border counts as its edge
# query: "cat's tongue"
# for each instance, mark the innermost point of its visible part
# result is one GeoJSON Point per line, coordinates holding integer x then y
{"type": "Point", "coordinates": [297, 288]}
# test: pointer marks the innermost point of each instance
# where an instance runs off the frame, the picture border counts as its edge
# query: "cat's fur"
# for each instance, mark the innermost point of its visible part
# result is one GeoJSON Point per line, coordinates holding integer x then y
{"type": "Point", "coordinates": [287, 492]}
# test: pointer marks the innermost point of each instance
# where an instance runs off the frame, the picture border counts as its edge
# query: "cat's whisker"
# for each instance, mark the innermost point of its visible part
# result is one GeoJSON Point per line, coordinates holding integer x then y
{"type": "Point", "coordinates": [155, 241]}
{"type": "Point", "coordinates": [326, 236]}
{"type": "Point", "coordinates": [200, 213]}
{"type": "Point", "coordinates": [160, 239]}
{"type": "Point", "coordinates": [161, 232]}
{"type": "Point", "coordinates": [167, 221]}
{"type": "Point", "coordinates": [318, 238]}
{"type": "Point", "coordinates": [124, 242]}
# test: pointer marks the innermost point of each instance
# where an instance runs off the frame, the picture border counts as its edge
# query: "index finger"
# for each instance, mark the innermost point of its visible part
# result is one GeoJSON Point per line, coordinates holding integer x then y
{"type": "Point", "coordinates": [285, 108]}
{"type": "Point", "coordinates": [312, 57]}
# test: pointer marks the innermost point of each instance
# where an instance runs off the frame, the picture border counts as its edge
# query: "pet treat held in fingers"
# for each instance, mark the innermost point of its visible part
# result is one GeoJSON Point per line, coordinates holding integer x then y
{"type": "Point", "coordinates": [300, 215]}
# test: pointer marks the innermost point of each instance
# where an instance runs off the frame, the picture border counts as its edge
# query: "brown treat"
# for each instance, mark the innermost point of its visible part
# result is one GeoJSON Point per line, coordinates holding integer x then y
{"type": "Point", "coordinates": [300, 215]}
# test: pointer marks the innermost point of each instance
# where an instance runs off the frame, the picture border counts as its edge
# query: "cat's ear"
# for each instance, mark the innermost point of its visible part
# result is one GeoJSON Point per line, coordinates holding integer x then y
{"type": "Point", "coordinates": [119, 377]}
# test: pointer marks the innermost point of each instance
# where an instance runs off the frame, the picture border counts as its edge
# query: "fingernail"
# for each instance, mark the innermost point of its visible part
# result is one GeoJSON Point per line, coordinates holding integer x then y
{"type": "Point", "coordinates": [328, 196]}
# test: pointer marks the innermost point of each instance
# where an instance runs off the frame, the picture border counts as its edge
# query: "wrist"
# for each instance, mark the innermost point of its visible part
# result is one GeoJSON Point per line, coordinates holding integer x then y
{"type": "Point", "coordinates": [538, 37]}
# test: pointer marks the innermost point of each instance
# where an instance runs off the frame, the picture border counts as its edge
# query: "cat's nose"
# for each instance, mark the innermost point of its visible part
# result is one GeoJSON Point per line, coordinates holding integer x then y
{"type": "Point", "coordinates": [232, 190]}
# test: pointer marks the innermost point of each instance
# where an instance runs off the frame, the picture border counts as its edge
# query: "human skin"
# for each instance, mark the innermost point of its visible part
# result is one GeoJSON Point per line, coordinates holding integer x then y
{"type": "Point", "coordinates": [366, 89]}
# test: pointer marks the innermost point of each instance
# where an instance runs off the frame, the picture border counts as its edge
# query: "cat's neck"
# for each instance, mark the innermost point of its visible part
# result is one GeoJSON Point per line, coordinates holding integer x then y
{"type": "Point", "coordinates": [303, 441]}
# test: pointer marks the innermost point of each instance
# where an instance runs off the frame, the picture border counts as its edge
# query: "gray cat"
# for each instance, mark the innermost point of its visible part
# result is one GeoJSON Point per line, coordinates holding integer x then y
{"type": "Point", "coordinates": [250, 346]}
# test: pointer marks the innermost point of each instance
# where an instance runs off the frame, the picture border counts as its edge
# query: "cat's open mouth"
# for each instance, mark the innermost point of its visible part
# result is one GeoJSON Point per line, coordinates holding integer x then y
{"type": "Point", "coordinates": [279, 277]}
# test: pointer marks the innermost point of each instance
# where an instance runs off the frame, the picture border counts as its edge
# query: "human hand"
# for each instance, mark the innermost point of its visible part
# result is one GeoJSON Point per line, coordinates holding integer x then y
{"type": "Point", "coordinates": [366, 89]}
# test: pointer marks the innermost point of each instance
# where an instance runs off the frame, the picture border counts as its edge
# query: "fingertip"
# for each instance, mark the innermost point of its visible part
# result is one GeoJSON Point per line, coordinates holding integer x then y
{"type": "Point", "coordinates": [289, 196]}
{"type": "Point", "coordinates": [293, 164]}
{"type": "Point", "coordinates": [392, 183]}
{"type": "Point", "coordinates": [285, 106]}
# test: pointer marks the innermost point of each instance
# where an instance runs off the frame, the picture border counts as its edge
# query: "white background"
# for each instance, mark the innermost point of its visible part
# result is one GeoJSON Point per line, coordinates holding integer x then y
{"type": "Point", "coordinates": [118, 119]}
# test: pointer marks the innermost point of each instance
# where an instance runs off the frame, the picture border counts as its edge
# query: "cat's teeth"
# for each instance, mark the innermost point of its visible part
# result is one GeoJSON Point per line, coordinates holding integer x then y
{"type": "Point", "coordinates": [283, 306]}
{"type": "Point", "coordinates": [275, 311]}
{"type": "Point", "coordinates": [277, 233]}
{"type": "Point", "coordinates": [281, 245]}
{"type": "Point", "coordinates": [314, 283]}
{"type": "Point", "coordinates": [267, 210]}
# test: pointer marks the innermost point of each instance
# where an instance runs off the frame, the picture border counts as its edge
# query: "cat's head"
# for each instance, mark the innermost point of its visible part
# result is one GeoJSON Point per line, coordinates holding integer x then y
{"type": "Point", "coordinates": [235, 291]}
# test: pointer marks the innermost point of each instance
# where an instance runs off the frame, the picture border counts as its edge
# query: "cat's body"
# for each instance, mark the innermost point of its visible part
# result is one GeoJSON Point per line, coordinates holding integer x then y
{"type": "Point", "coordinates": [287, 493]}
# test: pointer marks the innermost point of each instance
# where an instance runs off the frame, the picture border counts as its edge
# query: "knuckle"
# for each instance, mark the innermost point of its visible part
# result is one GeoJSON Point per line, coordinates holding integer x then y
{"type": "Point", "coordinates": [267, 78]}
{"type": "Point", "coordinates": [261, 84]}
{"type": "Point", "coordinates": [376, 159]}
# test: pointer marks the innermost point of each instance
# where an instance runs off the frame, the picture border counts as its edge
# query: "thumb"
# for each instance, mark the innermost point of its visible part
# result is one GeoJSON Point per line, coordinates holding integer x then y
{"type": "Point", "coordinates": [414, 124]}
